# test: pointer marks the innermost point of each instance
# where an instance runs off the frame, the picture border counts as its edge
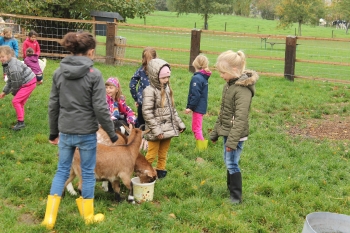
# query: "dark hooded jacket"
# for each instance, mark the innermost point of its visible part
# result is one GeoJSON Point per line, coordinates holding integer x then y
{"type": "Point", "coordinates": [234, 111]}
{"type": "Point", "coordinates": [77, 102]}
{"type": "Point", "coordinates": [160, 120]}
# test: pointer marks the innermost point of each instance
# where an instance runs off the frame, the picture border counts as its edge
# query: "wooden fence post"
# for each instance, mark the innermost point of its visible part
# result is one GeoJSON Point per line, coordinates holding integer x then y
{"type": "Point", "coordinates": [110, 40]}
{"type": "Point", "coordinates": [195, 47]}
{"type": "Point", "coordinates": [289, 62]}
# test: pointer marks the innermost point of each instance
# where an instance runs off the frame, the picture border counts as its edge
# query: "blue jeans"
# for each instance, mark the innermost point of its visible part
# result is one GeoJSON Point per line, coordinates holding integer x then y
{"type": "Point", "coordinates": [87, 149]}
{"type": "Point", "coordinates": [231, 158]}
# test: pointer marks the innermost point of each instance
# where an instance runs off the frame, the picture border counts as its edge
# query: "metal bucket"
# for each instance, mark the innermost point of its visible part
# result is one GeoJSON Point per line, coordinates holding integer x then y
{"type": "Point", "coordinates": [325, 222]}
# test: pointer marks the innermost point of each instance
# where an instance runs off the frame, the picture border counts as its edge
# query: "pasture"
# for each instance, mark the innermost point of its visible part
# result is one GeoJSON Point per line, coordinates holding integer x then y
{"type": "Point", "coordinates": [295, 162]}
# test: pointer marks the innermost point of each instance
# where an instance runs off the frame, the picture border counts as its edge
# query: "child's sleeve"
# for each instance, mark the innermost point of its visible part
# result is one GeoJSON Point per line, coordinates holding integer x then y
{"type": "Point", "coordinates": [24, 49]}
{"type": "Point", "coordinates": [194, 94]}
{"type": "Point", "coordinates": [38, 51]}
{"type": "Point", "coordinates": [148, 108]}
{"type": "Point", "coordinates": [127, 111]}
{"type": "Point", "coordinates": [133, 83]}
{"type": "Point", "coordinates": [15, 47]}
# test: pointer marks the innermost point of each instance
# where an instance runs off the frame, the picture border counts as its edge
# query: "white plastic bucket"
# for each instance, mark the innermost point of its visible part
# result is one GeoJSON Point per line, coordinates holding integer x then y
{"type": "Point", "coordinates": [325, 222]}
{"type": "Point", "coordinates": [142, 191]}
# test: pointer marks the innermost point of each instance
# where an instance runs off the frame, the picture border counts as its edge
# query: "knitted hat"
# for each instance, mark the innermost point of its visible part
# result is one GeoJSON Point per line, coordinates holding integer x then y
{"type": "Point", "coordinates": [164, 72]}
{"type": "Point", "coordinates": [113, 81]}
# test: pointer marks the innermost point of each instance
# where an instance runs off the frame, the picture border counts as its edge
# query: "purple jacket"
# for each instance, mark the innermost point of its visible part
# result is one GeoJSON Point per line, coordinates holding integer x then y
{"type": "Point", "coordinates": [32, 61]}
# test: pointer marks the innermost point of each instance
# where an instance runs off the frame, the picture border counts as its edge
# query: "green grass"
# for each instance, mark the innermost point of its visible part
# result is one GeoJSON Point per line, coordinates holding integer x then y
{"type": "Point", "coordinates": [284, 177]}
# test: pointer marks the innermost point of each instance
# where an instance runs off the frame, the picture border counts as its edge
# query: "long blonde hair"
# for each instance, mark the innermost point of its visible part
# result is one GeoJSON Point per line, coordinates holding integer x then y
{"type": "Point", "coordinates": [201, 62]}
{"type": "Point", "coordinates": [229, 60]}
{"type": "Point", "coordinates": [162, 95]}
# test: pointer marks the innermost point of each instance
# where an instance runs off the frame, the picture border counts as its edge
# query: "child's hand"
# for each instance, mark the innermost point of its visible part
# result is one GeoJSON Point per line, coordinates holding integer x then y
{"type": "Point", "coordinates": [160, 136]}
{"type": "Point", "coordinates": [2, 95]}
{"type": "Point", "coordinates": [181, 130]}
{"type": "Point", "coordinates": [229, 149]}
{"type": "Point", "coordinates": [136, 104]}
{"type": "Point", "coordinates": [187, 111]}
{"type": "Point", "coordinates": [55, 141]}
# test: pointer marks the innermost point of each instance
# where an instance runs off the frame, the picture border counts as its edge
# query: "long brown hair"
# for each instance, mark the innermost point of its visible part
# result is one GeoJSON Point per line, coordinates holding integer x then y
{"type": "Point", "coordinates": [78, 42]}
{"type": "Point", "coordinates": [148, 54]}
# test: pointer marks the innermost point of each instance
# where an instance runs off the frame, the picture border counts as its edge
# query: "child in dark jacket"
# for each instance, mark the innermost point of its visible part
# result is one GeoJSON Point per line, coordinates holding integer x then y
{"type": "Point", "coordinates": [140, 80]}
{"type": "Point", "coordinates": [197, 100]}
{"type": "Point", "coordinates": [32, 61]}
{"type": "Point", "coordinates": [233, 119]}
{"type": "Point", "coordinates": [21, 83]}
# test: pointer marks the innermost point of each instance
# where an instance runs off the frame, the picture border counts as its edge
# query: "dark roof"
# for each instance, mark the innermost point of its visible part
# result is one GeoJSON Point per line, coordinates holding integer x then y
{"type": "Point", "coordinates": [113, 15]}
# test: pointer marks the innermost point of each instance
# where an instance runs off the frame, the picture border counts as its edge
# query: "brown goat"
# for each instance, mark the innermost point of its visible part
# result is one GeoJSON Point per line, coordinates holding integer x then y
{"type": "Point", "coordinates": [143, 169]}
{"type": "Point", "coordinates": [112, 163]}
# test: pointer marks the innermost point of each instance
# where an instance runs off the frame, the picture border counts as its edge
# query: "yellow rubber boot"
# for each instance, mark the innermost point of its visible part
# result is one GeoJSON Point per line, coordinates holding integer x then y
{"type": "Point", "coordinates": [53, 202]}
{"type": "Point", "coordinates": [201, 145]}
{"type": "Point", "coordinates": [86, 210]}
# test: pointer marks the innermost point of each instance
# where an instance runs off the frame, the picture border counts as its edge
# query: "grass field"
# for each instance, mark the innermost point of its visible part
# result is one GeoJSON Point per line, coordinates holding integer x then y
{"type": "Point", "coordinates": [285, 175]}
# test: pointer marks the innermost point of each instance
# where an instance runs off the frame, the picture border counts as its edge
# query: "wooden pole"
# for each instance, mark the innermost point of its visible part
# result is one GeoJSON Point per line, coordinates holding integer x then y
{"type": "Point", "coordinates": [110, 39]}
{"type": "Point", "coordinates": [195, 47]}
{"type": "Point", "coordinates": [94, 26]}
{"type": "Point", "coordinates": [290, 55]}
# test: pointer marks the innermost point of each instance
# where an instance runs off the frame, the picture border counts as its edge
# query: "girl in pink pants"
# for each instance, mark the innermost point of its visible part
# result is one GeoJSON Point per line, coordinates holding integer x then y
{"type": "Point", "coordinates": [197, 100]}
{"type": "Point", "coordinates": [21, 83]}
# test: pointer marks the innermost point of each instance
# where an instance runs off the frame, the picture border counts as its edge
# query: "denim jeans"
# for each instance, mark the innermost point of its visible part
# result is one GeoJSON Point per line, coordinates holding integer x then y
{"type": "Point", "coordinates": [87, 149]}
{"type": "Point", "coordinates": [231, 158]}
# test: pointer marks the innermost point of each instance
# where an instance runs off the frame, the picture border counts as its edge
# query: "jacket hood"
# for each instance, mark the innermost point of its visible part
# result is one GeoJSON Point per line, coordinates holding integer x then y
{"type": "Point", "coordinates": [75, 67]}
{"type": "Point", "coordinates": [153, 68]}
{"type": "Point", "coordinates": [247, 79]}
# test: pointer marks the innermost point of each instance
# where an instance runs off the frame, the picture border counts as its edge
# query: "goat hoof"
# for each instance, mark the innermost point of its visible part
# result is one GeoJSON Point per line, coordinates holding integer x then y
{"type": "Point", "coordinates": [131, 198]}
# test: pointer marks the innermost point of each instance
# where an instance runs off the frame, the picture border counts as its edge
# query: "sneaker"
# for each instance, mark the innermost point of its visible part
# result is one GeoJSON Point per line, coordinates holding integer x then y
{"type": "Point", "coordinates": [20, 125]}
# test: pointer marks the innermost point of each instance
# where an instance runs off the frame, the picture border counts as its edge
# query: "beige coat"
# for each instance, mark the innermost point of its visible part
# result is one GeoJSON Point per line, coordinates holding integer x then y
{"type": "Point", "coordinates": [160, 120]}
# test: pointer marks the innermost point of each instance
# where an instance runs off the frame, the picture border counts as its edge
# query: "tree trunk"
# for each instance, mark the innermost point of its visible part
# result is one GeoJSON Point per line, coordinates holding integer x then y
{"type": "Point", "coordinates": [299, 29]}
{"type": "Point", "coordinates": [205, 21]}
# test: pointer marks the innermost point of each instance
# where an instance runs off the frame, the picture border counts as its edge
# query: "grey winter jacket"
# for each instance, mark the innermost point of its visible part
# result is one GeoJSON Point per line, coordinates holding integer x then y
{"type": "Point", "coordinates": [78, 99]}
{"type": "Point", "coordinates": [18, 74]}
{"type": "Point", "coordinates": [234, 111]}
{"type": "Point", "coordinates": [160, 120]}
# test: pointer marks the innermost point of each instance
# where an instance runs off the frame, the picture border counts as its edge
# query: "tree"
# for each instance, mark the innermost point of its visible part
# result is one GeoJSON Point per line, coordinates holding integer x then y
{"type": "Point", "coordinates": [71, 9]}
{"type": "Point", "coordinates": [205, 8]}
{"type": "Point", "coordinates": [241, 7]}
{"type": "Point", "coordinates": [343, 8]}
{"type": "Point", "coordinates": [299, 11]}
{"type": "Point", "coordinates": [78, 9]}
{"type": "Point", "coordinates": [267, 8]}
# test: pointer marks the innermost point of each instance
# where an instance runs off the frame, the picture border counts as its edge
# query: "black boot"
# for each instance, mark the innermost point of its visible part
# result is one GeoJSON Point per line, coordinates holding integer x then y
{"type": "Point", "coordinates": [20, 125]}
{"type": "Point", "coordinates": [228, 180]}
{"type": "Point", "coordinates": [161, 173]}
{"type": "Point", "coordinates": [236, 188]}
